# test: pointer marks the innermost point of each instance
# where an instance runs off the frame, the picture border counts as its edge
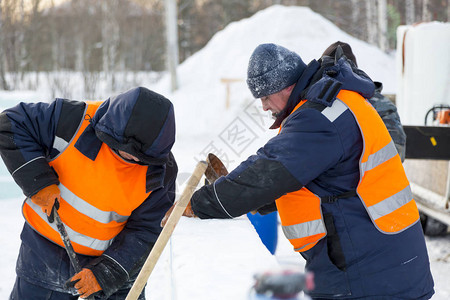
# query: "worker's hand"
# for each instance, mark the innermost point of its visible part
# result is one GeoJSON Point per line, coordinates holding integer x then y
{"type": "Point", "coordinates": [46, 198]}
{"type": "Point", "coordinates": [102, 276]}
{"type": "Point", "coordinates": [85, 283]}
{"type": "Point", "coordinates": [188, 212]}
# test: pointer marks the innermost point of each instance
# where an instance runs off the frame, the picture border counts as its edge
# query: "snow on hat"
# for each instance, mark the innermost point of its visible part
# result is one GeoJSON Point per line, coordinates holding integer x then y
{"type": "Point", "coordinates": [272, 68]}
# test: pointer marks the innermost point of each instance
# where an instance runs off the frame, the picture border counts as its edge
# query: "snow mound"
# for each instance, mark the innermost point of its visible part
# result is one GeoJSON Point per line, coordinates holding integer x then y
{"type": "Point", "coordinates": [200, 101]}
{"type": "Point", "coordinates": [296, 28]}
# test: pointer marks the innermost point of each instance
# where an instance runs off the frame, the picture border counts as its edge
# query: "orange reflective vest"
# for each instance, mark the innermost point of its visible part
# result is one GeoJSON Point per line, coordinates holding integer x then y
{"type": "Point", "coordinates": [97, 197]}
{"type": "Point", "coordinates": [383, 186]}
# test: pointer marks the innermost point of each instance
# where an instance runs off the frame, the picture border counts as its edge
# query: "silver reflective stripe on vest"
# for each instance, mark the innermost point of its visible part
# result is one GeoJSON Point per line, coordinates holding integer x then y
{"type": "Point", "coordinates": [89, 210]}
{"type": "Point", "coordinates": [305, 229]}
{"type": "Point", "coordinates": [74, 236]}
{"type": "Point", "coordinates": [302, 247]}
{"type": "Point", "coordinates": [60, 144]}
{"type": "Point", "coordinates": [391, 204]}
{"type": "Point", "coordinates": [337, 108]}
{"type": "Point", "coordinates": [379, 157]}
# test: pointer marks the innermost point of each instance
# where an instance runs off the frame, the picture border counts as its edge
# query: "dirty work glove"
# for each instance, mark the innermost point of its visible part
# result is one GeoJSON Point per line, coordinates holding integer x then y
{"type": "Point", "coordinates": [188, 212]}
{"type": "Point", "coordinates": [85, 283]}
{"type": "Point", "coordinates": [103, 276]}
{"type": "Point", "coordinates": [46, 198]}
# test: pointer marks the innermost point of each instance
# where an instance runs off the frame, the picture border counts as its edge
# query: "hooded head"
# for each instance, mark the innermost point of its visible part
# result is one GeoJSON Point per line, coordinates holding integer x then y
{"type": "Point", "coordinates": [139, 122]}
{"type": "Point", "coordinates": [346, 49]}
{"type": "Point", "coordinates": [272, 68]}
{"type": "Point", "coordinates": [352, 78]}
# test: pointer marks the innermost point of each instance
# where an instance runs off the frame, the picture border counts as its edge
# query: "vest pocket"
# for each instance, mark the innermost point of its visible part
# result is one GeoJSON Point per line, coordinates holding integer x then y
{"type": "Point", "coordinates": [335, 252]}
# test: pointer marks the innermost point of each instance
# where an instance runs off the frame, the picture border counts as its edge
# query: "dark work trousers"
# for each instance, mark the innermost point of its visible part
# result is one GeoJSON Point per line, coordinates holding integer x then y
{"type": "Point", "coordinates": [23, 290]}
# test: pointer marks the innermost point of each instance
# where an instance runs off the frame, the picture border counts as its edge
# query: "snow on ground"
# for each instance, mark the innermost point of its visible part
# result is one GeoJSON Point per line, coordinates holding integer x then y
{"type": "Point", "coordinates": [216, 259]}
{"type": "Point", "coordinates": [191, 267]}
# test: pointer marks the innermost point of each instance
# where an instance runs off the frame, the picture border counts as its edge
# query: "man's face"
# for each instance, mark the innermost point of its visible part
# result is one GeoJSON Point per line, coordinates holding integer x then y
{"type": "Point", "coordinates": [276, 102]}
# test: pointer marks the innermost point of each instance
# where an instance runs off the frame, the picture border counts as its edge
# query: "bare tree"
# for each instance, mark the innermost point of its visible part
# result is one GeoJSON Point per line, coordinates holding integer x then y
{"type": "Point", "coordinates": [382, 25]}
{"type": "Point", "coordinates": [9, 38]}
{"type": "Point", "coordinates": [186, 21]}
{"type": "Point", "coordinates": [172, 42]}
{"type": "Point", "coordinates": [357, 17]}
{"type": "Point", "coordinates": [37, 39]}
{"type": "Point", "coordinates": [21, 39]}
{"type": "Point", "coordinates": [448, 10]}
{"type": "Point", "coordinates": [3, 83]}
{"type": "Point", "coordinates": [54, 41]}
{"type": "Point", "coordinates": [371, 21]}
{"type": "Point", "coordinates": [355, 11]}
{"type": "Point", "coordinates": [410, 12]}
{"type": "Point", "coordinates": [110, 38]}
{"type": "Point", "coordinates": [78, 36]}
{"type": "Point", "coordinates": [426, 13]}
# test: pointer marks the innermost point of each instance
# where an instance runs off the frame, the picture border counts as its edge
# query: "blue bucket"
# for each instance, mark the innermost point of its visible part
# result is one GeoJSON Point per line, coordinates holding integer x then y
{"type": "Point", "coordinates": [266, 227]}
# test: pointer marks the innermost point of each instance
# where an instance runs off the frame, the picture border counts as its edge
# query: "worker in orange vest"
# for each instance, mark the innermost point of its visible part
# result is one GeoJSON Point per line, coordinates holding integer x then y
{"type": "Point", "coordinates": [335, 177]}
{"type": "Point", "coordinates": [384, 107]}
{"type": "Point", "coordinates": [106, 167]}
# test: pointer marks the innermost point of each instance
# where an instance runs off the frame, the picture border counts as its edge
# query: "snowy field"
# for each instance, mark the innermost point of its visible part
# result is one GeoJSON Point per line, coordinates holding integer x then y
{"type": "Point", "coordinates": [216, 259]}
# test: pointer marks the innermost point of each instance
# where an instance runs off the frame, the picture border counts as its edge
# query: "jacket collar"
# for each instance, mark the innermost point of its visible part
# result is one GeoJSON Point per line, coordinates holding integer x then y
{"type": "Point", "coordinates": [327, 76]}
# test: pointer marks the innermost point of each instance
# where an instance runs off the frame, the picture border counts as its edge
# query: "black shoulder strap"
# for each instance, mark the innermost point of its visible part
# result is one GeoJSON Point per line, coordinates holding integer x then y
{"type": "Point", "coordinates": [313, 105]}
{"type": "Point", "coordinates": [332, 199]}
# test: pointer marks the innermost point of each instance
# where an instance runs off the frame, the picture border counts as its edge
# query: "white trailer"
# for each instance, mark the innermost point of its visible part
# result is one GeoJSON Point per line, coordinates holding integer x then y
{"type": "Point", "coordinates": [423, 102]}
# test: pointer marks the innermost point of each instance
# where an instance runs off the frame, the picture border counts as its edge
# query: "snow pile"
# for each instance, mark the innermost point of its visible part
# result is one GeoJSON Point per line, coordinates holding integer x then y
{"type": "Point", "coordinates": [296, 28]}
{"type": "Point", "coordinates": [200, 100]}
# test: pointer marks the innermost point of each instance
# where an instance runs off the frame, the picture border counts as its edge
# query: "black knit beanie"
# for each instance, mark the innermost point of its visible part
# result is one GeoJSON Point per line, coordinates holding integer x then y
{"type": "Point", "coordinates": [272, 68]}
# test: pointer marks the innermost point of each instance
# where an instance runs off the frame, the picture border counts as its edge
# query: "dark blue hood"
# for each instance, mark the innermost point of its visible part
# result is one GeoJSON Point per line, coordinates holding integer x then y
{"type": "Point", "coordinates": [338, 74]}
{"type": "Point", "coordinates": [139, 122]}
